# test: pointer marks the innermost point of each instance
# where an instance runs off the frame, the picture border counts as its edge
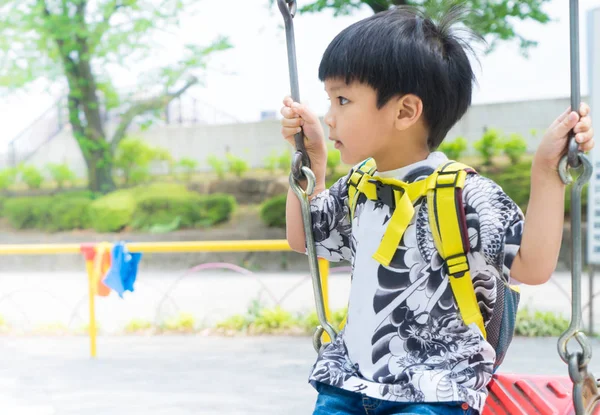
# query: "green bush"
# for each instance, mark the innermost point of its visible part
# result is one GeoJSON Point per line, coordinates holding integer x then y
{"type": "Point", "coordinates": [61, 173]}
{"type": "Point", "coordinates": [29, 212]}
{"type": "Point", "coordinates": [160, 209]}
{"type": "Point", "coordinates": [334, 159]}
{"type": "Point", "coordinates": [237, 165]}
{"type": "Point", "coordinates": [187, 166]}
{"type": "Point", "coordinates": [272, 320]}
{"type": "Point", "coordinates": [216, 208]}
{"type": "Point", "coordinates": [63, 211]}
{"type": "Point", "coordinates": [8, 178]}
{"type": "Point", "coordinates": [112, 212]}
{"type": "Point", "coordinates": [515, 148]}
{"type": "Point", "coordinates": [79, 194]}
{"type": "Point", "coordinates": [454, 149]}
{"type": "Point", "coordinates": [272, 211]}
{"type": "Point", "coordinates": [133, 158]}
{"type": "Point", "coordinates": [32, 176]}
{"type": "Point", "coordinates": [163, 207]}
{"type": "Point", "coordinates": [538, 323]}
{"type": "Point", "coordinates": [285, 160]}
{"type": "Point", "coordinates": [219, 166]}
{"type": "Point", "coordinates": [272, 162]}
{"type": "Point", "coordinates": [311, 321]}
{"type": "Point", "coordinates": [489, 146]}
{"type": "Point", "coordinates": [69, 213]}
{"type": "Point", "coordinates": [515, 180]}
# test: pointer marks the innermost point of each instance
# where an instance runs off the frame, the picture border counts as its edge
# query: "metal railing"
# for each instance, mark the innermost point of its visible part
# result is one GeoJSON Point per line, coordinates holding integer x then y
{"type": "Point", "coordinates": [93, 254]}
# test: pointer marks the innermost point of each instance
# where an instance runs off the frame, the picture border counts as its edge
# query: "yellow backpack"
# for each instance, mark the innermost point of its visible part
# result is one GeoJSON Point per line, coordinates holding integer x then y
{"type": "Point", "coordinates": [443, 189]}
{"type": "Point", "coordinates": [446, 217]}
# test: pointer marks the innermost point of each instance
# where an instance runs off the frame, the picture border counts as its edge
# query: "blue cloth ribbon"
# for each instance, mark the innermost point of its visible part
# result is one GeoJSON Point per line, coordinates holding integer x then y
{"type": "Point", "coordinates": [123, 270]}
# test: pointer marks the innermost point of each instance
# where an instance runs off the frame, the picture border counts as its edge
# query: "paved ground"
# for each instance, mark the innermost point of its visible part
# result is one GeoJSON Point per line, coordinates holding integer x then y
{"type": "Point", "coordinates": [28, 300]}
{"type": "Point", "coordinates": [183, 375]}
{"type": "Point", "coordinates": [179, 375]}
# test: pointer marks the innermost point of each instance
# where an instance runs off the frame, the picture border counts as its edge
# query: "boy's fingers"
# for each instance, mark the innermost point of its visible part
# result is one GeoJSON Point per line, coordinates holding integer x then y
{"type": "Point", "coordinates": [563, 127]}
{"type": "Point", "coordinates": [583, 125]}
{"type": "Point", "coordinates": [304, 112]}
{"type": "Point", "coordinates": [584, 109]}
{"type": "Point", "coordinates": [587, 146]}
{"type": "Point", "coordinates": [292, 122]}
{"type": "Point", "coordinates": [560, 118]}
{"type": "Point", "coordinates": [288, 132]}
{"type": "Point", "coordinates": [287, 101]}
{"type": "Point", "coordinates": [583, 137]}
{"type": "Point", "coordinates": [288, 113]}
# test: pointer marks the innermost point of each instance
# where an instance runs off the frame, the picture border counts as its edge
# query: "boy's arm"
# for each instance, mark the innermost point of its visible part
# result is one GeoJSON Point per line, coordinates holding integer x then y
{"type": "Point", "coordinates": [542, 232]}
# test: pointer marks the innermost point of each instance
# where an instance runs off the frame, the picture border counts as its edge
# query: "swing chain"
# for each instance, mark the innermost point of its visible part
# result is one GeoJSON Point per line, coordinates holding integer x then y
{"type": "Point", "coordinates": [300, 171]}
{"type": "Point", "coordinates": [300, 158]}
{"type": "Point", "coordinates": [584, 385]}
{"type": "Point", "coordinates": [313, 260]}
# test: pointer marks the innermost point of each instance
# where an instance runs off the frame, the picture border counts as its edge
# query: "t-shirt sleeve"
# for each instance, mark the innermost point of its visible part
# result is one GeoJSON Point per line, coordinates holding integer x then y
{"type": "Point", "coordinates": [331, 224]}
{"type": "Point", "coordinates": [497, 222]}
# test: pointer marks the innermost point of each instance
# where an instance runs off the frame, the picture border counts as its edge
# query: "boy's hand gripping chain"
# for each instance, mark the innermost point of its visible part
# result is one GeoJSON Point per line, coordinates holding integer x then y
{"type": "Point", "coordinates": [585, 388]}
{"type": "Point", "coordinates": [301, 170]}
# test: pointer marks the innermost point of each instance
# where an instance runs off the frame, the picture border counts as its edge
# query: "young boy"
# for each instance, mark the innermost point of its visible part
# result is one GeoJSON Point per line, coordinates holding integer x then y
{"type": "Point", "coordinates": [397, 84]}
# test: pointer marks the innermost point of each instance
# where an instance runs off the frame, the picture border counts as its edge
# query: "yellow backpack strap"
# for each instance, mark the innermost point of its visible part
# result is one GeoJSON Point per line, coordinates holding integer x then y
{"type": "Point", "coordinates": [448, 226]}
{"type": "Point", "coordinates": [360, 173]}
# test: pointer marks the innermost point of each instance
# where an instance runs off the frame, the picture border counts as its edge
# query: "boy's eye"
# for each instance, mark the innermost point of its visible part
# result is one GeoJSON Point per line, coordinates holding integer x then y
{"type": "Point", "coordinates": [342, 100]}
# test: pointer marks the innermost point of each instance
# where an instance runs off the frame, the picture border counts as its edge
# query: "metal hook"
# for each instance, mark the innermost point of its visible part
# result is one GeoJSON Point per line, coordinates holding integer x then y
{"type": "Point", "coordinates": [288, 8]}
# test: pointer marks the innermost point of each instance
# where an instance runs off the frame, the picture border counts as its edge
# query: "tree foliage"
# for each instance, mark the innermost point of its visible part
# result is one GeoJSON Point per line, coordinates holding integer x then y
{"type": "Point", "coordinates": [75, 43]}
{"type": "Point", "coordinates": [493, 19]}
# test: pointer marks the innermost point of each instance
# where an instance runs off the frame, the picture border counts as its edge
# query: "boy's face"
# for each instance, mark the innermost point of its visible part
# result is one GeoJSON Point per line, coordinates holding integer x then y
{"type": "Point", "coordinates": [358, 128]}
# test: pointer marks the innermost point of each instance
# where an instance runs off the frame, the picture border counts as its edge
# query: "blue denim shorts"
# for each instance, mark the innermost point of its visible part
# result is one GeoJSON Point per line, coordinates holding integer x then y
{"type": "Point", "coordinates": [336, 401]}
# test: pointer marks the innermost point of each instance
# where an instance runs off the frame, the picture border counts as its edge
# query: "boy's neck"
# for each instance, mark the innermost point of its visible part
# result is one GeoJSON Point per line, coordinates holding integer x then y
{"type": "Point", "coordinates": [397, 158]}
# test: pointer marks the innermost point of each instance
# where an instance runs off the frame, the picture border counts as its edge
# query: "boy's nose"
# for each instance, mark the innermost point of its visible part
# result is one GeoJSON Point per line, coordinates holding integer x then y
{"type": "Point", "coordinates": [329, 119]}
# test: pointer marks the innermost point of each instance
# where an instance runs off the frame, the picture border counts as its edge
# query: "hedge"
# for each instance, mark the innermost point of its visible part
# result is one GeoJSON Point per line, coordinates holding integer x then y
{"type": "Point", "coordinates": [272, 211]}
{"type": "Point", "coordinates": [28, 212]}
{"type": "Point", "coordinates": [112, 212]}
{"type": "Point", "coordinates": [69, 213]}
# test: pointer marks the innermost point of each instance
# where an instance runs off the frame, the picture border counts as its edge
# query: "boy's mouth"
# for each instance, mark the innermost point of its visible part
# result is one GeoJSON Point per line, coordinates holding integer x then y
{"type": "Point", "coordinates": [336, 143]}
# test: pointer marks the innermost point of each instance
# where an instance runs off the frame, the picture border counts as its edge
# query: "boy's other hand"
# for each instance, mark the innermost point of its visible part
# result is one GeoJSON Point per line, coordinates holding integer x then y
{"type": "Point", "coordinates": [554, 143]}
{"type": "Point", "coordinates": [296, 118]}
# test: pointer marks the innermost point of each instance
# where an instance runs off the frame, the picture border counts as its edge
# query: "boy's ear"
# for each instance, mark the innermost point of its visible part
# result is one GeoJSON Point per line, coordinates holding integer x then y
{"type": "Point", "coordinates": [409, 109]}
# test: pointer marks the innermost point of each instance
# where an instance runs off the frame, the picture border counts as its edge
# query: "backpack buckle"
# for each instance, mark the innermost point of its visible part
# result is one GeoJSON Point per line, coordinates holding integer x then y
{"type": "Point", "coordinates": [457, 265]}
{"type": "Point", "coordinates": [355, 178]}
{"type": "Point", "coordinates": [446, 179]}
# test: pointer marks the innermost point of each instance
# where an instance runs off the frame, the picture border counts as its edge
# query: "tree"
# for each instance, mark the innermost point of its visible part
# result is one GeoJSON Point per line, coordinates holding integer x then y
{"type": "Point", "coordinates": [76, 42]}
{"type": "Point", "coordinates": [490, 18]}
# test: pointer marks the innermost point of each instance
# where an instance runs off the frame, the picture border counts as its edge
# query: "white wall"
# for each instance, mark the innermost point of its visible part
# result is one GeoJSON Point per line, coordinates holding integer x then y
{"type": "Point", "coordinates": [254, 141]}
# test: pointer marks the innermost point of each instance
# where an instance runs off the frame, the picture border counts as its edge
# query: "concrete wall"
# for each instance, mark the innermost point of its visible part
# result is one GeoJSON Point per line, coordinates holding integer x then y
{"type": "Point", "coordinates": [255, 141]}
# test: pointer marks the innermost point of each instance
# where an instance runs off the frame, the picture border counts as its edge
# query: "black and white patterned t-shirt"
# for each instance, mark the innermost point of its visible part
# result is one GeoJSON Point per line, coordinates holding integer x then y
{"type": "Point", "coordinates": [404, 339]}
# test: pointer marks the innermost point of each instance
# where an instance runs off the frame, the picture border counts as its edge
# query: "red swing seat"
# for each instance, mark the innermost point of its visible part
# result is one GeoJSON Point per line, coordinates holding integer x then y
{"type": "Point", "coordinates": [512, 394]}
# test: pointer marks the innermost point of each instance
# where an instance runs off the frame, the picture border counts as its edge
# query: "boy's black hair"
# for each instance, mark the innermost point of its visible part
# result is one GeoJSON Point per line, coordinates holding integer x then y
{"type": "Point", "coordinates": [402, 51]}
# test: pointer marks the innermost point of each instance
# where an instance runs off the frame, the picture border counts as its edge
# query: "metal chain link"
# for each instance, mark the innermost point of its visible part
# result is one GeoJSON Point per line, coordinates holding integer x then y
{"type": "Point", "coordinates": [301, 171]}
{"type": "Point", "coordinates": [585, 390]}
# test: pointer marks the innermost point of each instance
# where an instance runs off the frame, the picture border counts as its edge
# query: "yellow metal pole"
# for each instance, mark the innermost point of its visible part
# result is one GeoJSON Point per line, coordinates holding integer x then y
{"type": "Point", "coordinates": [324, 272]}
{"type": "Point", "coordinates": [90, 267]}
{"type": "Point", "coordinates": [155, 247]}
